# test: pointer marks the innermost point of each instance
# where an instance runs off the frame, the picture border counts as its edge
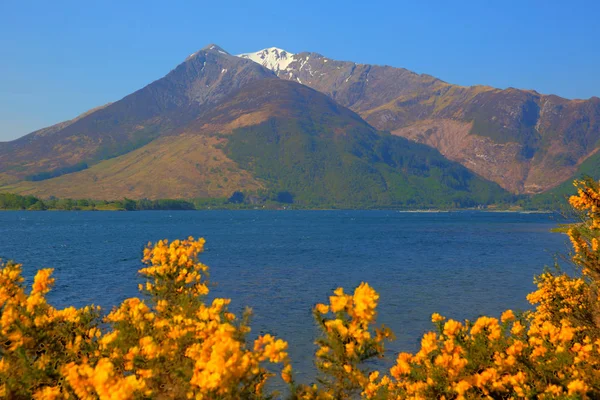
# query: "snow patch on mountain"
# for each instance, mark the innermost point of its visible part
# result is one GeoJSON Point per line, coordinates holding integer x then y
{"type": "Point", "coordinates": [272, 58]}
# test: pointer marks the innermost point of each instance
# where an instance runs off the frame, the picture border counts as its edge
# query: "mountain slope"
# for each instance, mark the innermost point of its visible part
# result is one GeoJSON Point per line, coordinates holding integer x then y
{"type": "Point", "coordinates": [323, 153]}
{"type": "Point", "coordinates": [278, 136]}
{"type": "Point", "coordinates": [181, 166]}
{"type": "Point", "coordinates": [525, 141]}
{"type": "Point", "coordinates": [161, 107]}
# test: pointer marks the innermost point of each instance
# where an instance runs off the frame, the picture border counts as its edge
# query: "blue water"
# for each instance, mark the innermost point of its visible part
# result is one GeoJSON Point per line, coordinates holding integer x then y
{"type": "Point", "coordinates": [280, 263]}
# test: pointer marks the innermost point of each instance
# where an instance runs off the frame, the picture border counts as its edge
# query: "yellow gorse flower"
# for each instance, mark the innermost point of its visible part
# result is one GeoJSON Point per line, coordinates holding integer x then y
{"type": "Point", "coordinates": [173, 344]}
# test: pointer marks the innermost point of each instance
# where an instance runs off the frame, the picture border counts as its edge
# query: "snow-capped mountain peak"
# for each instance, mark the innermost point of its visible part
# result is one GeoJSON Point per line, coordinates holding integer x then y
{"type": "Point", "coordinates": [272, 58]}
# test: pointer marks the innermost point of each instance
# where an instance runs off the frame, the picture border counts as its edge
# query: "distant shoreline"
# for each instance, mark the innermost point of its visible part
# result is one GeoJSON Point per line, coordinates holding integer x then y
{"type": "Point", "coordinates": [11, 201]}
{"type": "Point", "coordinates": [408, 211]}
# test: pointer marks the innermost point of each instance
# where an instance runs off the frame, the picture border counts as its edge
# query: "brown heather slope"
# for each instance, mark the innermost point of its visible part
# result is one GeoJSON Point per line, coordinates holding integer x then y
{"type": "Point", "coordinates": [183, 166]}
{"type": "Point", "coordinates": [525, 141]}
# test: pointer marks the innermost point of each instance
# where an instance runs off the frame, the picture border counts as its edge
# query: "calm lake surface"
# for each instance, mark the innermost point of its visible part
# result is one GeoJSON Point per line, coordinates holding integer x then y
{"type": "Point", "coordinates": [280, 263]}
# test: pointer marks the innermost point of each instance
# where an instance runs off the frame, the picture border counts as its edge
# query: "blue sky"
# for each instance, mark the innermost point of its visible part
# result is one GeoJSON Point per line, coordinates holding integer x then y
{"type": "Point", "coordinates": [61, 58]}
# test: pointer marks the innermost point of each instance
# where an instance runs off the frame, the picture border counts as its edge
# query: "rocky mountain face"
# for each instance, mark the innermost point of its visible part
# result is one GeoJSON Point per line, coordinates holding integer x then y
{"type": "Point", "coordinates": [525, 141]}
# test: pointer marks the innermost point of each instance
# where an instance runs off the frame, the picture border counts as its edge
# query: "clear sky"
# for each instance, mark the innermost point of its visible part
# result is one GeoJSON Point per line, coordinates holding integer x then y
{"type": "Point", "coordinates": [61, 58]}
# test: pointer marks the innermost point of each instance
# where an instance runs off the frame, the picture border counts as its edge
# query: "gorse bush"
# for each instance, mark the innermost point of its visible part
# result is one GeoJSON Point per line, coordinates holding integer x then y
{"type": "Point", "coordinates": [172, 344]}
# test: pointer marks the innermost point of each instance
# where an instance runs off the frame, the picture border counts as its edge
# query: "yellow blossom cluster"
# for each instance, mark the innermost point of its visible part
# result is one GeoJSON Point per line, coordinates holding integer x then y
{"type": "Point", "coordinates": [37, 340]}
{"type": "Point", "coordinates": [347, 341]}
{"type": "Point", "coordinates": [587, 199]}
{"type": "Point", "coordinates": [174, 269]}
{"type": "Point", "coordinates": [169, 345]}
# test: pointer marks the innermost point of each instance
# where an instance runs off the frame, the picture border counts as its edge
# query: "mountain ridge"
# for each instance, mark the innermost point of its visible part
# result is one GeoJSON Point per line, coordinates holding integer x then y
{"type": "Point", "coordinates": [499, 125]}
{"type": "Point", "coordinates": [524, 141]}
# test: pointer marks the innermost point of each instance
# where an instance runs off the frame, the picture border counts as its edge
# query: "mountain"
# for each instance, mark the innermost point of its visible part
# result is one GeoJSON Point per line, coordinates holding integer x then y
{"type": "Point", "coordinates": [323, 153]}
{"type": "Point", "coordinates": [325, 132]}
{"type": "Point", "coordinates": [525, 141]}
{"type": "Point", "coordinates": [269, 137]}
{"type": "Point", "coordinates": [163, 106]}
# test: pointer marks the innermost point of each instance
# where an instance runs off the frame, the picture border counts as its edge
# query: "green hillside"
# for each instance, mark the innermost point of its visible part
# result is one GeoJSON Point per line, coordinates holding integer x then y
{"type": "Point", "coordinates": [360, 168]}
